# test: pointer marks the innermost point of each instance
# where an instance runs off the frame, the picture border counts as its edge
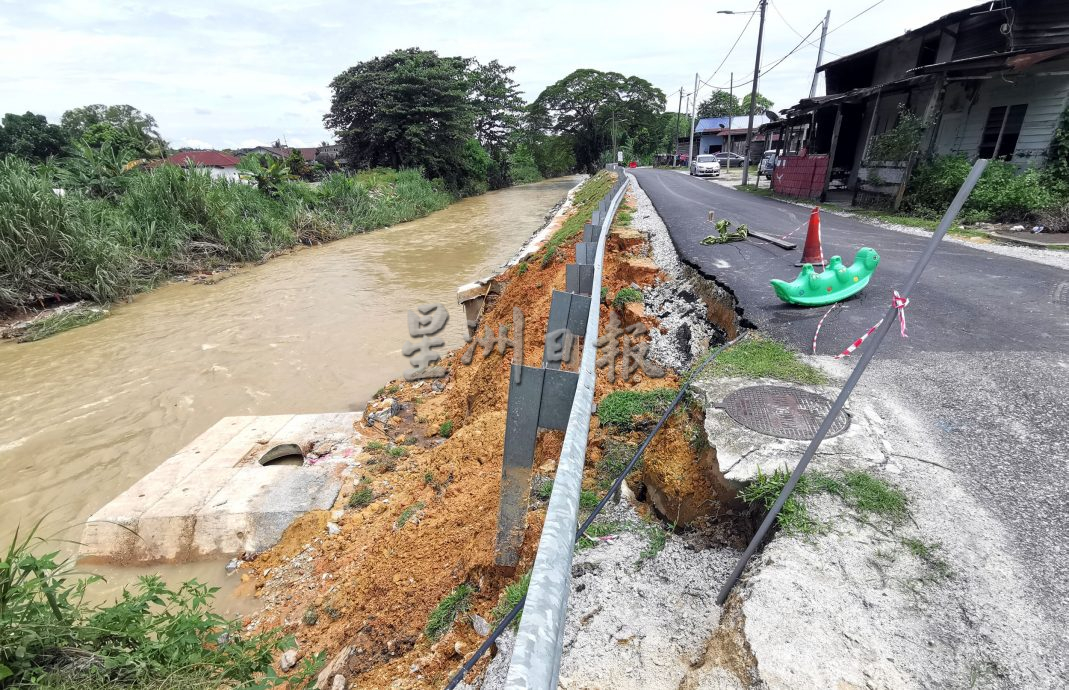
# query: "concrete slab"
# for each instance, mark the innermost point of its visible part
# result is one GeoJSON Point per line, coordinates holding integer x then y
{"type": "Point", "coordinates": [740, 451]}
{"type": "Point", "coordinates": [214, 498]}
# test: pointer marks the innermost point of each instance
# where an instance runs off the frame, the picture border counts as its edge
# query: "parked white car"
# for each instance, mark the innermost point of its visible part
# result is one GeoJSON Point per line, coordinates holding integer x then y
{"type": "Point", "coordinates": [705, 165]}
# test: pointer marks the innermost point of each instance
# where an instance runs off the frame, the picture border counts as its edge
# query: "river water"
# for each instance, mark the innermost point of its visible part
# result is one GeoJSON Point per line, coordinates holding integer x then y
{"type": "Point", "coordinates": [86, 413]}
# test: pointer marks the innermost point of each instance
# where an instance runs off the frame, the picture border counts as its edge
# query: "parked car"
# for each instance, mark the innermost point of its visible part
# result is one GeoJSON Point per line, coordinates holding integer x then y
{"type": "Point", "coordinates": [768, 163]}
{"type": "Point", "coordinates": [732, 160]}
{"type": "Point", "coordinates": [705, 164]}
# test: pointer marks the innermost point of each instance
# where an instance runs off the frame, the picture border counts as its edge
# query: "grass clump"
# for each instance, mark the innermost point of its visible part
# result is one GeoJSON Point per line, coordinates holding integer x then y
{"type": "Point", "coordinates": [627, 295]}
{"type": "Point", "coordinates": [408, 513]}
{"type": "Point", "coordinates": [928, 553]}
{"type": "Point", "coordinates": [657, 540]}
{"type": "Point", "coordinates": [375, 446]}
{"type": "Point", "coordinates": [588, 500]}
{"type": "Point", "coordinates": [57, 323]}
{"type": "Point", "coordinates": [597, 529]}
{"type": "Point", "coordinates": [396, 452]}
{"type": "Point", "coordinates": [794, 517]}
{"type": "Point", "coordinates": [445, 429]}
{"type": "Point", "coordinates": [759, 358]}
{"type": "Point", "coordinates": [447, 610]}
{"type": "Point", "coordinates": [362, 497]}
{"type": "Point", "coordinates": [545, 490]}
{"type": "Point", "coordinates": [870, 495]}
{"type": "Point", "coordinates": [510, 597]}
{"type": "Point", "coordinates": [612, 463]}
{"type": "Point", "coordinates": [522, 268]}
{"type": "Point", "coordinates": [152, 636]}
{"type": "Point", "coordinates": [623, 408]}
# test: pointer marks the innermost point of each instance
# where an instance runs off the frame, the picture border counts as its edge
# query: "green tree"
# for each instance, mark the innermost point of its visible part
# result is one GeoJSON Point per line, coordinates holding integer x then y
{"type": "Point", "coordinates": [763, 104]}
{"type": "Point", "coordinates": [522, 166]}
{"type": "Point", "coordinates": [268, 172]}
{"type": "Point", "coordinates": [84, 122]}
{"type": "Point", "coordinates": [298, 167]}
{"type": "Point", "coordinates": [498, 112]}
{"type": "Point", "coordinates": [720, 104]}
{"type": "Point", "coordinates": [554, 155]}
{"type": "Point", "coordinates": [30, 136]}
{"type": "Point", "coordinates": [587, 105]}
{"type": "Point", "coordinates": [409, 108]}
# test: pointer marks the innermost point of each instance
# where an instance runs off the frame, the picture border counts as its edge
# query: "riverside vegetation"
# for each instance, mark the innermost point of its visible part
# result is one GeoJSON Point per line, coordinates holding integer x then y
{"type": "Point", "coordinates": [151, 224]}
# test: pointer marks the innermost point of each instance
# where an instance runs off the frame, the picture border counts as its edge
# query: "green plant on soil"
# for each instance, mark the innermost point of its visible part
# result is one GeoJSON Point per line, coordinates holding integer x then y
{"type": "Point", "coordinates": [545, 490]}
{"type": "Point", "coordinates": [396, 452]}
{"type": "Point", "coordinates": [522, 268]}
{"type": "Point", "coordinates": [928, 553]}
{"type": "Point", "coordinates": [657, 538]}
{"type": "Point", "coordinates": [391, 389]}
{"type": "Point", "coordinates": [588, 500]}
{"type": "Point", "coordinates": [510, 597]}
{"type": "Point", "coordinates": [374, 446]}
{"type": "Point", "coordinates": [599, 528]}
{"type": "Point", "coordinates": [362, 497]}
{"type": "Point", "coordinates": [585, 201]}
{"type": "Point", "coordinates": [870, 495]}
{"type": "Point", "coordinates": [624, 216]}
{"type": "Point", "coordinates": [447, 610]}
{"type": "Point", "coordinates": [57, 323]}
{"type": "Point", "coordinates": [623, 408]}
{"type": "Point", "coordinates": [604, 293]}
{"type": "Point", "coordinates": [613, 461]}
{"type": "Point", "coordinates": [445, 430]}
{"type": "Point", "coordinates": [760, 358]}
{"type": "Point", "coordinates": [408, 512]}
{"type": "Point", "coordinates": [794, 517]}
{"type": "Point", "coordinates": [627, 295]}
{"type": "Point", "coordinates": [152, 636]}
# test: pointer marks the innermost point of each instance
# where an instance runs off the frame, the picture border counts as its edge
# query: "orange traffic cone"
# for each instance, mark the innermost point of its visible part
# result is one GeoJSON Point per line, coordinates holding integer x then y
{"type": "Point", "coordinates": [812, 253]}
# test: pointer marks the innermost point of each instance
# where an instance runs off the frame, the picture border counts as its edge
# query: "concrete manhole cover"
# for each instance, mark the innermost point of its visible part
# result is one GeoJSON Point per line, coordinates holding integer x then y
{"type": "Point", "coordinates": [781, 411]}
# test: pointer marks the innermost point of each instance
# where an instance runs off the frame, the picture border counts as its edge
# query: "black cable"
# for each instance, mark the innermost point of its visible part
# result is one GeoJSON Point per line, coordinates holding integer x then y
{"type": "Point", "coordinates": [879, 2]}
{"type": "Point", "coordinates": [485, 646]}
{"type": "Point", "coordinates": [730, 50]}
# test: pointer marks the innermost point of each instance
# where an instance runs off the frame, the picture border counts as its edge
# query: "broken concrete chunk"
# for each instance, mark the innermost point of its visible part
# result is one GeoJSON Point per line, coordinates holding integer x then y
{"type": "Point", "coordinates": [288, 660]}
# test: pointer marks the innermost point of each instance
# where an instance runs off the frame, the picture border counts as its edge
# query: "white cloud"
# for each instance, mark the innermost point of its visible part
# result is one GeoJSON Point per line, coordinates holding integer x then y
{"type": "Point", "coordinates": [261, 68]}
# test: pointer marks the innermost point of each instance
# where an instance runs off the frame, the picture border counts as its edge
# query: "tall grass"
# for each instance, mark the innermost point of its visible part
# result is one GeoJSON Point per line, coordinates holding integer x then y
{"type": "Point", "coordinates": [152, 636]}
{"type": "Point", "coordinates": [168, 220]}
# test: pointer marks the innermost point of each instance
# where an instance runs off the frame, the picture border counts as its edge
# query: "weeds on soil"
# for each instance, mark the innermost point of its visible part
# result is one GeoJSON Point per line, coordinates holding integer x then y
{"type": "Point", "coordinates": [443, 615]}
{"type": "Point", "coordinates": [445, 430]}
{"type": "Point", "coordinates": [510, 597]}
{"type": "Point", "coordinates": [759, 358]}
{"type": "Point", "coordinates": [622, 408]}
{"type": "Point", "coordinates": [362, 497]}
{"type": "Point", "coordinates": [408, 512]}
{"type": "Point", "coordinates": [597, 529]}
{"type": "Point", "coordinates": [627, 295]}
{"type": "Point", "coordinates": [585, 201]}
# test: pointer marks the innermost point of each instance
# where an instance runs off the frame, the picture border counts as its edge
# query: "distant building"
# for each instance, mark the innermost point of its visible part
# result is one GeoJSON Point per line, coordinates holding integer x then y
{"type": "Point", "coordinates": [218, 164]}
{"type": "Point", "coordinates": [988, 81]}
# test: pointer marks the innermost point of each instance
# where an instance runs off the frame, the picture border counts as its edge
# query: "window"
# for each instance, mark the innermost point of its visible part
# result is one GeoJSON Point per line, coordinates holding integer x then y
{"type": "Point", "coordinates": [929, 51]}
{"type": "Point", "coordinates": [999, 138]}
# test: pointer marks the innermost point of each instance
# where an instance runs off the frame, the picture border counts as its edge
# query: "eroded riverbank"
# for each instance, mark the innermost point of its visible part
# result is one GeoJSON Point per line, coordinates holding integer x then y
{"type": "Point", "coordinates": [88, 412]}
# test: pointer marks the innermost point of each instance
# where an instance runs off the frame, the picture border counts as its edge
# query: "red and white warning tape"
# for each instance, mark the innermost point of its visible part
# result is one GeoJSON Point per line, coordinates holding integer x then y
{"type": "Point", "coordinates": [899, 303]}
{"type": "Point", "coordinates": [819, 324]}
{"type": "Point", "coordinates": [794, 231]}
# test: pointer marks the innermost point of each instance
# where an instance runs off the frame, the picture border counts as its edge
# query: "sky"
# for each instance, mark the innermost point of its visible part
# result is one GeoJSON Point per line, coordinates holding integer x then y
{"type": "Point", "coordinates": [238, 73]}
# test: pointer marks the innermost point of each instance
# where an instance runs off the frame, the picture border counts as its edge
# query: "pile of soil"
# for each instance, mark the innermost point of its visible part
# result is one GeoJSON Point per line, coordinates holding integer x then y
{"type": "Point", "coordinates": [431, 524]}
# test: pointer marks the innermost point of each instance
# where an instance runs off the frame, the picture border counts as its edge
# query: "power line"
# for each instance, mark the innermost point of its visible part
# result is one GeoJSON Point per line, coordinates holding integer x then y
{"type": "Point", "coordinates": [796, 32]}
{"type": "Point", "coordinates": [878, 2]}
{"type": "Point", "coordinates": [730, 50]}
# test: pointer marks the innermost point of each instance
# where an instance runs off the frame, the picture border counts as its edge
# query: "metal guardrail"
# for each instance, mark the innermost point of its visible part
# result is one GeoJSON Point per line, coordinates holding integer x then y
{"type": "Point", "coordinates": [536, 656]}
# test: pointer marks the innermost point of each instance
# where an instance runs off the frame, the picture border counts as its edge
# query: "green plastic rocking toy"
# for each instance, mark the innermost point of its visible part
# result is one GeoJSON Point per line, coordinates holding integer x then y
{"type": "Point", "coordinates": [837, 282]}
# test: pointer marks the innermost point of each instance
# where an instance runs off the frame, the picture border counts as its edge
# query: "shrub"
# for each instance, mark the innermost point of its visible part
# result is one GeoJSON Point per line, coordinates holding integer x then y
{"type": "Point", "coordinates": [361, 498]}
{"type": "Point", "coordinates": [899, 142]}
{"type": "Point", "coordinates": [1002, 194]}
{"type": "Point", "coordinates": [150, 635]}
{"type": "Point", "coordinates": [445, 429]}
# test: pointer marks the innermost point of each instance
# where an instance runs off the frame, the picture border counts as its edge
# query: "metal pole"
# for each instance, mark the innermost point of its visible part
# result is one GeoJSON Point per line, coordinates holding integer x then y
{"type": "Point", "coordinates": [753, 95]}
{"type": "Point", "coordinates": [693, 121]}
{"type": "Point", "coordinates": [867, 353]}
{"type": "Point", "coordinates": [731, 116]}
{"type": "Point", "coordinates": [820, 53]}
{"type": "Point", "coordinates": [675, 139]}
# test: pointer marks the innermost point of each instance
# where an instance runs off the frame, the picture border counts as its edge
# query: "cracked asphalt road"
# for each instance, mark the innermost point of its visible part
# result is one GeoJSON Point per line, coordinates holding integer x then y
{"type": "Point", "coordinates": [986, 361]}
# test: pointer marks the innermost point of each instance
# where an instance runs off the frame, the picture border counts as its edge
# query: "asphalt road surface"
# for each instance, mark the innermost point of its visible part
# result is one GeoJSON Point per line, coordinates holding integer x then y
{"type": "Point", "coordinates": [986, 361]}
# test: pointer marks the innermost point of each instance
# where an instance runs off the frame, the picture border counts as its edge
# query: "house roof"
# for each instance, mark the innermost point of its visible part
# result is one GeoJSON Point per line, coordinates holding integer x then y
{"type": "Point", "coordinates": [208, 159]}
{"type": "Point", "coordinates": [945, 19]}
{"type": "Point", "coordinates": [307, 153]}
{"type": "Point", "coordinates": [720, 125]}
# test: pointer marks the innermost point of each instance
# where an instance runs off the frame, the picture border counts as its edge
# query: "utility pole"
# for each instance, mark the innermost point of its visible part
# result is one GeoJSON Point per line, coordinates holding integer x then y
{"type": "Point", "coordinates": [731, 117]}
{"type": "Point", "coordinates": [753, 95]}
{"type": "Point", "coordinates": [675, 139]}
{"type": "Point", "coordinates": [693, 120]}
{"type": "Point", "coordinates": [820, 54]}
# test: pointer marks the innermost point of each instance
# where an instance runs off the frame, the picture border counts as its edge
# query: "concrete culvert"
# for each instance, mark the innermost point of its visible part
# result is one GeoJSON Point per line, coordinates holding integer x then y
{"type": "Point", "coordinates": [283, 454]}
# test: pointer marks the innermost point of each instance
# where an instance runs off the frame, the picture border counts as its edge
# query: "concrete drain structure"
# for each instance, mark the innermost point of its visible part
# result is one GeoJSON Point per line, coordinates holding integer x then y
{"type": "Point", "coordinates": [782, 411]}
{"type": "Point", "coordinates": [234, 489]}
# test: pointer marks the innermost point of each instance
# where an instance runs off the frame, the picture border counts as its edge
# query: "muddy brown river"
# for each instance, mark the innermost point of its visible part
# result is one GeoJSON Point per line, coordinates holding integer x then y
{"type": "Point", "coordinates": [86, 413]}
